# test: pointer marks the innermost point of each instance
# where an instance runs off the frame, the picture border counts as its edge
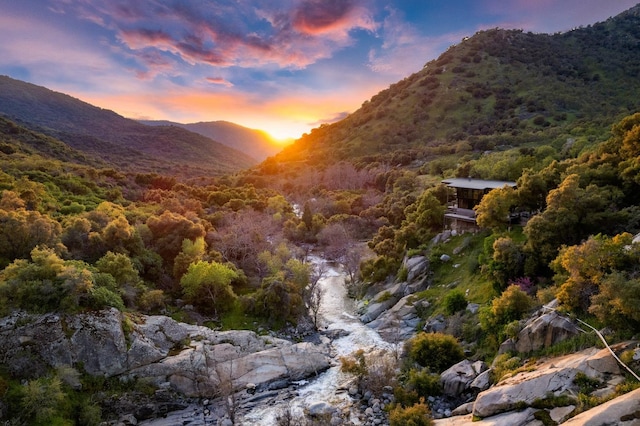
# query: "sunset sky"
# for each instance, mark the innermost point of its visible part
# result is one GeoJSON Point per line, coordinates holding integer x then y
{"type": "Point", "coordinates": [284, 66]}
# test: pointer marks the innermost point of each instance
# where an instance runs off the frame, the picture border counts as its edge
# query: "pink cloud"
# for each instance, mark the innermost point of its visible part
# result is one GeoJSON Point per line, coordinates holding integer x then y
{"type": "Point", "coordinates": [230, 33]}
{"type": "Point", "coordinates": [219, 80]}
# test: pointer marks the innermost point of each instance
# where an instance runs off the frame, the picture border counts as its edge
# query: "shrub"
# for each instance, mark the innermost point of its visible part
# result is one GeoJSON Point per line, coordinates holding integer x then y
{"type": "Point", "coordinates": [416, 415]}
{"type": "Point", "coordinates": [511, 305]}
{"type": "Point", "coordinates": [454, 301]}
{"type": "Point", "coordinates": [436, 351]}
{"type": "Point", "coordinates": [424, 383]}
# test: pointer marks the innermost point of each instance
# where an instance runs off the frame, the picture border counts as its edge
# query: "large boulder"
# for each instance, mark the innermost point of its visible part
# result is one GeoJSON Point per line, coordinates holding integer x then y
{"type": "Point", "coordinates": [458, 378]}
{"type": "Point", "coordinates": [193, 360]}
{"type": "Point", "coordinates": [416, 266]}
{"type": "Point", "coordinates": [400, 321]}
{"type": "Point", "coordinates": [621, 411]}
{"type": "Point", "coordinates": [544, 331]}
{"type": "Point", "coordinates": [551, 377]}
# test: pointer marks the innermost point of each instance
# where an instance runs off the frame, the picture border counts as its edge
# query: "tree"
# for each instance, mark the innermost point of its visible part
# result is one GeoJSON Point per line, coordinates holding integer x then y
{"type": "Point", "coordinates": [571, 215]}
{"type": "Point", "coordinates": [507, 262]}
{"type": "Point", "coordinates": [169, 231]}
{"type": "Point", "coordinates": [495, 207]}
{"type": "Point", "coordinates": [582, 269]}
{"type": "Point", "coordinates": [192, 251]}
{"type": "Point", "coordinates": [207, 285]}
{"type": "Point", "coordinates": [22, 230]}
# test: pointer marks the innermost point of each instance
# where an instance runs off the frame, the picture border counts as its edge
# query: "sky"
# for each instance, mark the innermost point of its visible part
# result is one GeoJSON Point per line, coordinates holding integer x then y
{"type": "Point", "coordinates": [283, 66]}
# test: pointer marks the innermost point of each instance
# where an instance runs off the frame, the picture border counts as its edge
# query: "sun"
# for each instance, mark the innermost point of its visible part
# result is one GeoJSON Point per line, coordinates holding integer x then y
{"type": "Point", "coordinates": [284, 133]}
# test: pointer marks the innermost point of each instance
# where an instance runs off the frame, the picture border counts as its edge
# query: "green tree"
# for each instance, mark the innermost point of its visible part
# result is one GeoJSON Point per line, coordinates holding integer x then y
{"type": "Point", "coordinates": [22, 230]}
{"type": "Point", "coordinates": [507, 262]}
{"type": "Point", "coordinates": [192, 251]}
{"type": "Point", "coordinates": [494, 208]}
{"type": "Point", "coordinates": [207, 285]}
{"type": "Point", "coordinates": [572, 214]}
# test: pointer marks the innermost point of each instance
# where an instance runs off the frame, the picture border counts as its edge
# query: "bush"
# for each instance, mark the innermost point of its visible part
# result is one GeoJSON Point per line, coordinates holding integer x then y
{"type": "Point", "coordinates": [416, 415]}
{"type": "Point", "coordinates": [454, 301]}
{"type": "Point", "coordinates": [511, 305]}
{"type": "Point", "coordinates": [424, 383]}
{"type": "Point", "coordinates": [435, 351]}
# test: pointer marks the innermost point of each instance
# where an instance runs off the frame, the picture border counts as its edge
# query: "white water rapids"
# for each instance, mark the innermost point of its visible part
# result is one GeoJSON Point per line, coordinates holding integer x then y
{"type": "Point", "coordinates": [336, 312]}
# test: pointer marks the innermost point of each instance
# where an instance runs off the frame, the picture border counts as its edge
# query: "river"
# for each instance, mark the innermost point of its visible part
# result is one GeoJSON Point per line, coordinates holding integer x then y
{"type": "Point", "coordinates": [336, 313]}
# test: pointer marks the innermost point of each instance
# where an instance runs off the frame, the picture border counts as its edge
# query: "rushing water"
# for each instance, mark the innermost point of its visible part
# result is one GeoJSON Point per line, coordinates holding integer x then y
{"type": "Point", "coordinates": [336, 313]}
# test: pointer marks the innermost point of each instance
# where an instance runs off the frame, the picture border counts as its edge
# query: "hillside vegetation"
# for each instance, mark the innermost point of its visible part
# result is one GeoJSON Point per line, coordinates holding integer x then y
{"type": "Point", "coordinates": [497, 88]}
{"type": "Point", "coordinates": [124, 143]}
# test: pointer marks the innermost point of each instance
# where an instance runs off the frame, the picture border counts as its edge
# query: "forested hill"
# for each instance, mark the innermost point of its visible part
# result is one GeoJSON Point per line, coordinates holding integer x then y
{"type": "Point", "coordinates": [498, 87]}
{"type": "Point", "coordinates": [255, 143]}
{"type": "Point", "coordinates": [113, 138]}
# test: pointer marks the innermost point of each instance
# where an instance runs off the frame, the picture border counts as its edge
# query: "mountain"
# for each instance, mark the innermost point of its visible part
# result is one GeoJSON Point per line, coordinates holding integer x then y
{"type": "Point", "coordinates": [114, 139]}
{"type": "Point", "coordinates": [496, 88]}
{"type": "Point", "coordinates": [255, 143]}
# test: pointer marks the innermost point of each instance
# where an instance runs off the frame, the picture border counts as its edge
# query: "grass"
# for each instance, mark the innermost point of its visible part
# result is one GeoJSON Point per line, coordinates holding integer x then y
{"type": "Point", "coordinates": [462, 271]}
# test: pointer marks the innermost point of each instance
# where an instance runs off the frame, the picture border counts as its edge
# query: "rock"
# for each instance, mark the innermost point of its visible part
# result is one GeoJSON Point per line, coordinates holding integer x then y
{"type": "Point", "coordinates": [553, 376]}
{"type": "Point", "coordinates": [513, 418]}
{"type": "Point", "coordinates": [463, 409]}
{"type": "Point", "coordinates": [435, 324]}
{"type": "Point", "coordinates": [399, 322]}
{"type": "Point", "coordinates": [482, 381]}
{"type": "Point", "coordinates": [621, 411]}
{"type": "Point", "coordinates": [416, 266]}
{"type": "Point", "coordinates": [458, 378]}
{"type": "Point", "coordinates": [473, 308]}
{"type": "Point", "coordinates": [560, 414]}
{"type": "Point", "coordinates": [445, 257]}
{"type": "Point", "coordinates": [128, 419]}
{"type": "Point", "coordinates": [321, 409]}
{"type": "Point", "coordinates": [189, 359]}
{"type": "Point", "coordinates": [544, 331]}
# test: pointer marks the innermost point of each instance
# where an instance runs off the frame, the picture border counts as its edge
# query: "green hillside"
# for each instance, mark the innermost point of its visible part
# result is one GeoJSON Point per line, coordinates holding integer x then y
{"type": "Point", "coordinates": [496, 88]}
{"type": "Point", "coordinates": [113, 138]}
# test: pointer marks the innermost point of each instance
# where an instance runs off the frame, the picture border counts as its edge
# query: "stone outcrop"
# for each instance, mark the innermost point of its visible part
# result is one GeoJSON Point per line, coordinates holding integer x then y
{"type": "Point", "coordinates": [621, 411]}
{"type": "Point", "coordinates": [400, 321]}
{"type": "Point", "coordinates": [192, 360]}
{"type": "Point", "coordinates": [553, 377]}
{"type": "Point", "coordinates": [458, 378]}
{"type": "Point", "coordinates": [544, 331]}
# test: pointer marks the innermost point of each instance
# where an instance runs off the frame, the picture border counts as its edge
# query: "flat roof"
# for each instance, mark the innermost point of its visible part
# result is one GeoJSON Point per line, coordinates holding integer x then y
{"type": "Point", "coordinates": [468, 183]}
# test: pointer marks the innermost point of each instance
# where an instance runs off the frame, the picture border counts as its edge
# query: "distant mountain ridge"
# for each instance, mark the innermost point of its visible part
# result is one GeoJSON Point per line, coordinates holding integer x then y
{"type": "Point", "coordinates": [255, 143]}
{"type": "Point", "coordinates": [495, 88]}
{"type": "Point", "coordinates": [119, 141]}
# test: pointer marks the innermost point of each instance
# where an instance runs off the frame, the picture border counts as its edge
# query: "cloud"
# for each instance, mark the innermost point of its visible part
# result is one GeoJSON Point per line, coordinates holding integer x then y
{"type": "Point", "coordinates": [404, 49]}
{"type": "Point", "coordinates": [324, 16]}
{"type": "Point", "coordinates": [290, 34]}
{"type": "Point", "coordinates": [219, 80]}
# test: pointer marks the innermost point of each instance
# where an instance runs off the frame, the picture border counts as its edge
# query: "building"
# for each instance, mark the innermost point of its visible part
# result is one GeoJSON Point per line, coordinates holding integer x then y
{"type": "Point", "coordinates": [460, 214]}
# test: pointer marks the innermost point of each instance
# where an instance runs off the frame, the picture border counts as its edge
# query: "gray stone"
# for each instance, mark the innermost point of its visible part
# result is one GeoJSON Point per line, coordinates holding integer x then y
{"type": "Point", "coordinates": [458, 378]}
{"type": "Point", "coordinates": [553, 376]}
{"type": "Point", "coordinates": [416, 266]}
{"type": "Point", "coordinates": [482, 381]}
{"type": "Point", "coordinates": [320, 409]}
{"type": "Point", "coordinates": [544, 331]}
{"type": "Point", "coordinates": [560, 414]}
{"type": "Point", "coordinates": [621, 411]}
